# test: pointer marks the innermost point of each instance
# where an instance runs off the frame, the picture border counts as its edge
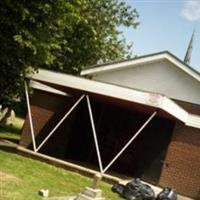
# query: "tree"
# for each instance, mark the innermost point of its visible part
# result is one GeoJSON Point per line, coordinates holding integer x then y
{"type": "Point", "coordinates": [96, 36]}
{"type": "Point", "coordinates": [63, 35]}
{"type": "Point", "coordinates": [30, 33]}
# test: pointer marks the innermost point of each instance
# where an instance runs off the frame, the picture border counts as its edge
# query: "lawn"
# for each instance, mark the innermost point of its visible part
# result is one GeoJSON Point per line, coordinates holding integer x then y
{"type": "Point", "coordinates": [21, 178]}
{"type": "Point", "coordinates": [12, 130]}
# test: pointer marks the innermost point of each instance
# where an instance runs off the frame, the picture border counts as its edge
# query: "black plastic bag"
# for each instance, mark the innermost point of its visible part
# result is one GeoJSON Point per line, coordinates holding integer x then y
{"type": "Point", "coordinates": [136, 190]}
{"type": "Point", "coordinates": [118, 188]}
{"type": "Point", "coordinates": [167, 194]}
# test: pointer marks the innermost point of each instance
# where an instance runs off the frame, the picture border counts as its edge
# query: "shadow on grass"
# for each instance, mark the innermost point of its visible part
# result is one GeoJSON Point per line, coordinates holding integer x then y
{"type": "Point", "coordinates": [12, 130]}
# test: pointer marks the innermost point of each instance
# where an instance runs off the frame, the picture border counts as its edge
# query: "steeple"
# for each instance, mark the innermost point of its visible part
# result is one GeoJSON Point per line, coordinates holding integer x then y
{"type": "Point", "coordinates": [188, 54]}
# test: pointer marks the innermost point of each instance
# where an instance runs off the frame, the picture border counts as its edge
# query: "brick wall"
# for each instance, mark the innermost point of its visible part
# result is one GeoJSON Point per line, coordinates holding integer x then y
{"type": "Point", "coordinates": [182, 169]}
{"type": "Point", "coordinates": [47, 110]}
{"type": "Point", "coordinates": [182, 164]}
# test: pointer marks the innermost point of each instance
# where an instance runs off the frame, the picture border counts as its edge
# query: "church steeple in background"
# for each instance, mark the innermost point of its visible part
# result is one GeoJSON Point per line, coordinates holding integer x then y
{"type": "Point", "coordinates": [188, 54]}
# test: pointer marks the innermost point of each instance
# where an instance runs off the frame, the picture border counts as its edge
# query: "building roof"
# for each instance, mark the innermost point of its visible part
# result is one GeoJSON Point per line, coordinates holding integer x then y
{"type": "Point", "coordinates": [165, 55]}
{"type": "Point", "coordinates": [86, 86]}
{"type": "Point", "coordinates": [46, 88]}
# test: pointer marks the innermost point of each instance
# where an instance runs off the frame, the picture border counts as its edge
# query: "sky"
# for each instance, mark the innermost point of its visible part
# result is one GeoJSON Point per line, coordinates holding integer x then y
{"type": "Point", "coordinates": [166, 25]}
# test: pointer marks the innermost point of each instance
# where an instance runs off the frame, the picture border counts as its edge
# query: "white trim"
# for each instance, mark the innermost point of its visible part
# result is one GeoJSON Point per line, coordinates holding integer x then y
{"type": "Point", "coordinates": [60, 122]}
{"type": "Point", "coordinates": [174, 109]}
{"type": "Point", "coordinates": [30, 116]}
{"type": "Point", "coordinates": [183, 67]}
{"type": "Point", "coordinates": [94, 134]}
{"type": "Point", "coordinates": [125, 64]}
{"type": "Point", "coordinates": [140, 61]}
{"type": "Point", "coordinates": [129, 142]}
{"type": "Point", "coordinates": [46, 88]}
{"type": "Point", "coordinates": [109, 90]}
{"type": "Point", "coordinates": [100, 88]}
{"type": "Point", "coordinates": [193, 121]}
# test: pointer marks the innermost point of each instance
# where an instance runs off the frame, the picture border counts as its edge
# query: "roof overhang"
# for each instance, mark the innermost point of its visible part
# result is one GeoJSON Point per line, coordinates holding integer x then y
{"type": "Point", "coordinates": [152, 100]}
{"type": "Point", "coordinates": [143, 60]}
{"type": "Point", "coordinates": [46, 88]}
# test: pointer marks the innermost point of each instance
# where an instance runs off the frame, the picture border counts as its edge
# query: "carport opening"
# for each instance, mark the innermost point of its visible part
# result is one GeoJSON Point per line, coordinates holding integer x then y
{"type": "Point", "coordinates": [115, 125]}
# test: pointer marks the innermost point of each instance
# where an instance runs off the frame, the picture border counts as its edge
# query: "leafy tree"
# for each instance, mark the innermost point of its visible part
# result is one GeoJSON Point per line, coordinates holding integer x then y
{"type": "Point", "coordinates": [30, 32]}
{"type": "Point", "coordinates": [63, 35]}
{"type": "Point", "coordinates": [95, 36]}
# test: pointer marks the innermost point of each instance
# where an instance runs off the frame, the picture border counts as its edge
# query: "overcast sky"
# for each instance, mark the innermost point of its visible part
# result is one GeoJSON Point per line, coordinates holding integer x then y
{"type": "Point", "coordinates": [166, 25]}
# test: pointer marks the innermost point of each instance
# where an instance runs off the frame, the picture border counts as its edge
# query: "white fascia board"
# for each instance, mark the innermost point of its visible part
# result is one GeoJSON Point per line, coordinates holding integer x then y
{"type": "Point", "coordinates": [193, 121]}
{"type": "Point", "coordinates": [183, 67]}
{"type": "Point", "coordinates": [96, 87]}
{"type": "Point", "coordinates": [140, 61]}
{"type": "Point", "coordinates": [136, 96]}
{"type": "Point", "coordinates": [175, 110]}
{"type": "Point", "coordinates": [43, 87]}
{"type": "Point", "coordinates": [121, 65]}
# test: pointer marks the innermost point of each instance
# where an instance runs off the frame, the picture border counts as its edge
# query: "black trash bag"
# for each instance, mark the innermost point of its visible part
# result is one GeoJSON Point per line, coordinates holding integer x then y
{"type": "Point", "coordinates": [136, 190]}
{"type": "Point", "coordinates": [118, 188]}
{"type": "Point", "coordinates": [167, 194]}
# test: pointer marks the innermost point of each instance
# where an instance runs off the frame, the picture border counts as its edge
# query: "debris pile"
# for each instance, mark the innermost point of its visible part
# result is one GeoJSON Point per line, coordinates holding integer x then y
{"type": "Point", "coordinates": [136, 190]}
{"type": "Point", "coordinates": [167, 194]}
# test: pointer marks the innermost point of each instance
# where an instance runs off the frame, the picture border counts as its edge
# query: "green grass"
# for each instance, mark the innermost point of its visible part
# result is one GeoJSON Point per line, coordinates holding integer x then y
{"type": "Point", "coordinates": [12, 129]}
{"type": "Point", "coordinates": [21, 178]}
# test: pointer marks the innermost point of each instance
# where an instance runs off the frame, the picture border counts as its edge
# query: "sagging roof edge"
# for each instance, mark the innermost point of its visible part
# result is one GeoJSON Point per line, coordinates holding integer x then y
{"type": "Point", "coordinates": [144, 98]}
{"type": "Point", "coordinates": [142, 59]}
{"type": "Point", "coordinates": [46, 88]}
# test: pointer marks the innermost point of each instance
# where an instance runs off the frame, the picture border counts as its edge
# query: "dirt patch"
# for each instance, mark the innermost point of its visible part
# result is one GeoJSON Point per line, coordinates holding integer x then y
{"type": "Point", "coordinates": [5, 177]}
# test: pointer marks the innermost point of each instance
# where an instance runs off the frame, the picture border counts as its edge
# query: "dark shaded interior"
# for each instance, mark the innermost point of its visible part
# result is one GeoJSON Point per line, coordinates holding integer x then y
{"type": "Point", "coordinates": [115, 126]}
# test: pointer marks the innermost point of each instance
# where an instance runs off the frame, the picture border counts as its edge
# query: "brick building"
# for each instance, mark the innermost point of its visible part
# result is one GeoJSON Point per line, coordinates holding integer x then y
{"type": "Point", "coordinates": [158, 89]}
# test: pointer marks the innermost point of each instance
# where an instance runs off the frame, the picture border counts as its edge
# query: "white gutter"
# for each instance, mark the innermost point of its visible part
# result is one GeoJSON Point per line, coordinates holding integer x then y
{"type": "Point", "coordinates": [175, 110]}
{"type": "Point", "coordinates": [131, 95]}
{"type": "Point", "coordinates": [95, 87]}
{"type": "Point", "coordinates": [193, 121]}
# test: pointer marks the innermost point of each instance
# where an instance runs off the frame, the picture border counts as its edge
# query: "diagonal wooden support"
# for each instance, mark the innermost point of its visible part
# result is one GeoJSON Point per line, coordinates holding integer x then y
{"type": "Point", "coordinates": [94, 134]}
{"type": "Point", "coordinates": [129, 142]}
{"type": "Point", "coordinates": [60, 122]}
{"type": "Point", "coordinates": [30, 116]}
